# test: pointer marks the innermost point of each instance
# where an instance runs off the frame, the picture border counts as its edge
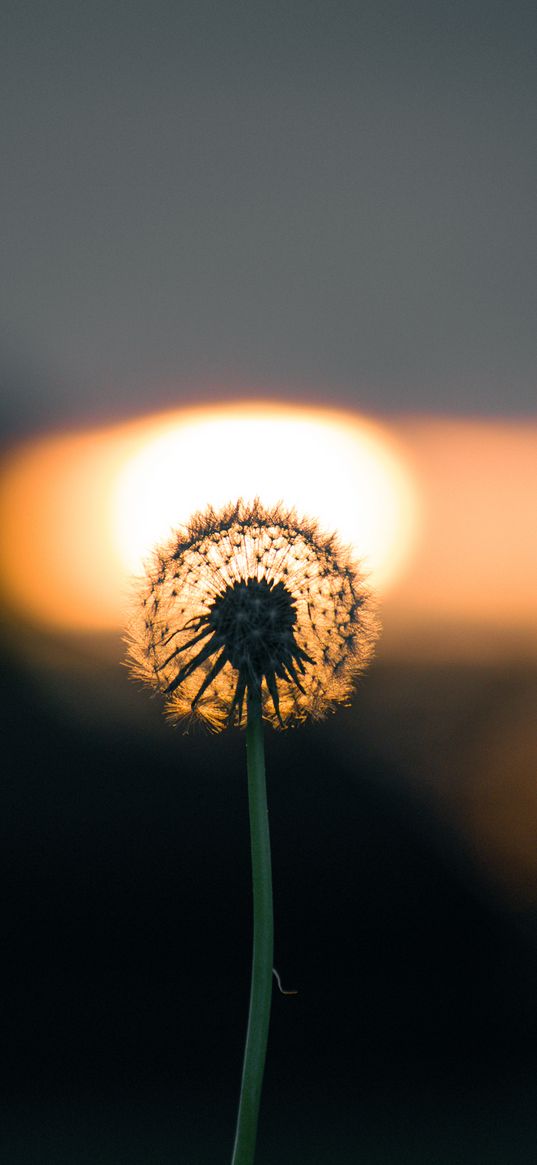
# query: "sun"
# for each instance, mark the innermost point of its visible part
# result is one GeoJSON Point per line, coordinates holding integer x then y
{"type": "Point", "coordinates": [80, 512]}
{"type": "Point", "coordinates": [339, 468]}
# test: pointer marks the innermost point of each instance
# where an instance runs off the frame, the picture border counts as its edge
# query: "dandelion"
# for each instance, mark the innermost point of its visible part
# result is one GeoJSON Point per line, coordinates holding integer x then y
{"type": "Point", "coordinates": [252, 598]}
{"type": "Point", "coordinates": [245, 615]}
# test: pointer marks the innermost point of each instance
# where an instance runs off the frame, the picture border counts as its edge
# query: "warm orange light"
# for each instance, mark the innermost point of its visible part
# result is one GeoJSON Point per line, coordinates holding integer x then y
{"type": "Point", "coordinates": [476, 562]}
{"type": "Point", "coordinates": [80, 512]}
{"type": "Point", "coordinates": [59, 559]}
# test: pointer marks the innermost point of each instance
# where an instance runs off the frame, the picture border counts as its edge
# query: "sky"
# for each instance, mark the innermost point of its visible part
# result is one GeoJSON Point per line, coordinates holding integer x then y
{"type": "Point", "coordinates": [303, 200]}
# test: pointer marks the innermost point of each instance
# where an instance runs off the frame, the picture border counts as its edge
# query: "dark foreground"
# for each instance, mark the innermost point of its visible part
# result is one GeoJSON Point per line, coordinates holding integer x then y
{"type": "Point", "coordinates": [404, 918]}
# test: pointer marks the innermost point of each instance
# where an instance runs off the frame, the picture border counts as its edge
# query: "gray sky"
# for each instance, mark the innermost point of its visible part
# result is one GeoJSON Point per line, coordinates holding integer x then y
{"type": "Point", "coordinates": [319, 200]}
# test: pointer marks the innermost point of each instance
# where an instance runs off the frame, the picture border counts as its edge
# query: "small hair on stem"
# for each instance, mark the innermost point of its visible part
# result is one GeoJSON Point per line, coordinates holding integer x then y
{"type": "Point", "coordinates": [279, 982]}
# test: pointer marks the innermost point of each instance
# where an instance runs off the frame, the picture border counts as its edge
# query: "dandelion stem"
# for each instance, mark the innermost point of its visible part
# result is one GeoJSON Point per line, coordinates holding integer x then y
{"type": "Point", "coordinates": [261, 985]}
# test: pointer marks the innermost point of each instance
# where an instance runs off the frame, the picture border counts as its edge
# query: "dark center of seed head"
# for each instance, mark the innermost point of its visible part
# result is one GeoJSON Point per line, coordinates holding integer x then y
{"type": "Point", "coordinates": [254, 618]}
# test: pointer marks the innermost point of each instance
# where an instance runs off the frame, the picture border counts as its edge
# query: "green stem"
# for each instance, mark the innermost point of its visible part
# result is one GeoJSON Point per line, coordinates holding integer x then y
{"type": "Point", "coordinates": [261, 985]}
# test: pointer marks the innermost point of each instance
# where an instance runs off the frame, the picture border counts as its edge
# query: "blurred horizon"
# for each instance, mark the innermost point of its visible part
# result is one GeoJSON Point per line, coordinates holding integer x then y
{"type": "Point", "coordinates": [453, 539]}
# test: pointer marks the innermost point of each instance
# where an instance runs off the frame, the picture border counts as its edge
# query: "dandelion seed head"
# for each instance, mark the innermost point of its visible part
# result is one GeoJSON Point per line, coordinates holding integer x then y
{"type": "Point", "coordinates": [247, 600]}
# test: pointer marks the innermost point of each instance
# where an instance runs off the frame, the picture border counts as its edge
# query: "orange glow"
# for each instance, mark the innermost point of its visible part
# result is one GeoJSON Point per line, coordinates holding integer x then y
{"type": "Point", "coordinates": [80, 512]}
{"type": "Point", "coordinates": [476, 561]}
{"type": "Point", "coordinates": [58, 553]}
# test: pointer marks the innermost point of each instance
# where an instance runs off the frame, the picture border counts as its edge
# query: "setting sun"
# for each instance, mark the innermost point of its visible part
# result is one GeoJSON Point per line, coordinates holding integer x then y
{"type": "Point", "coordinates": [341, 469]}
{"type": "Point", "coordinates": [80, 512]}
